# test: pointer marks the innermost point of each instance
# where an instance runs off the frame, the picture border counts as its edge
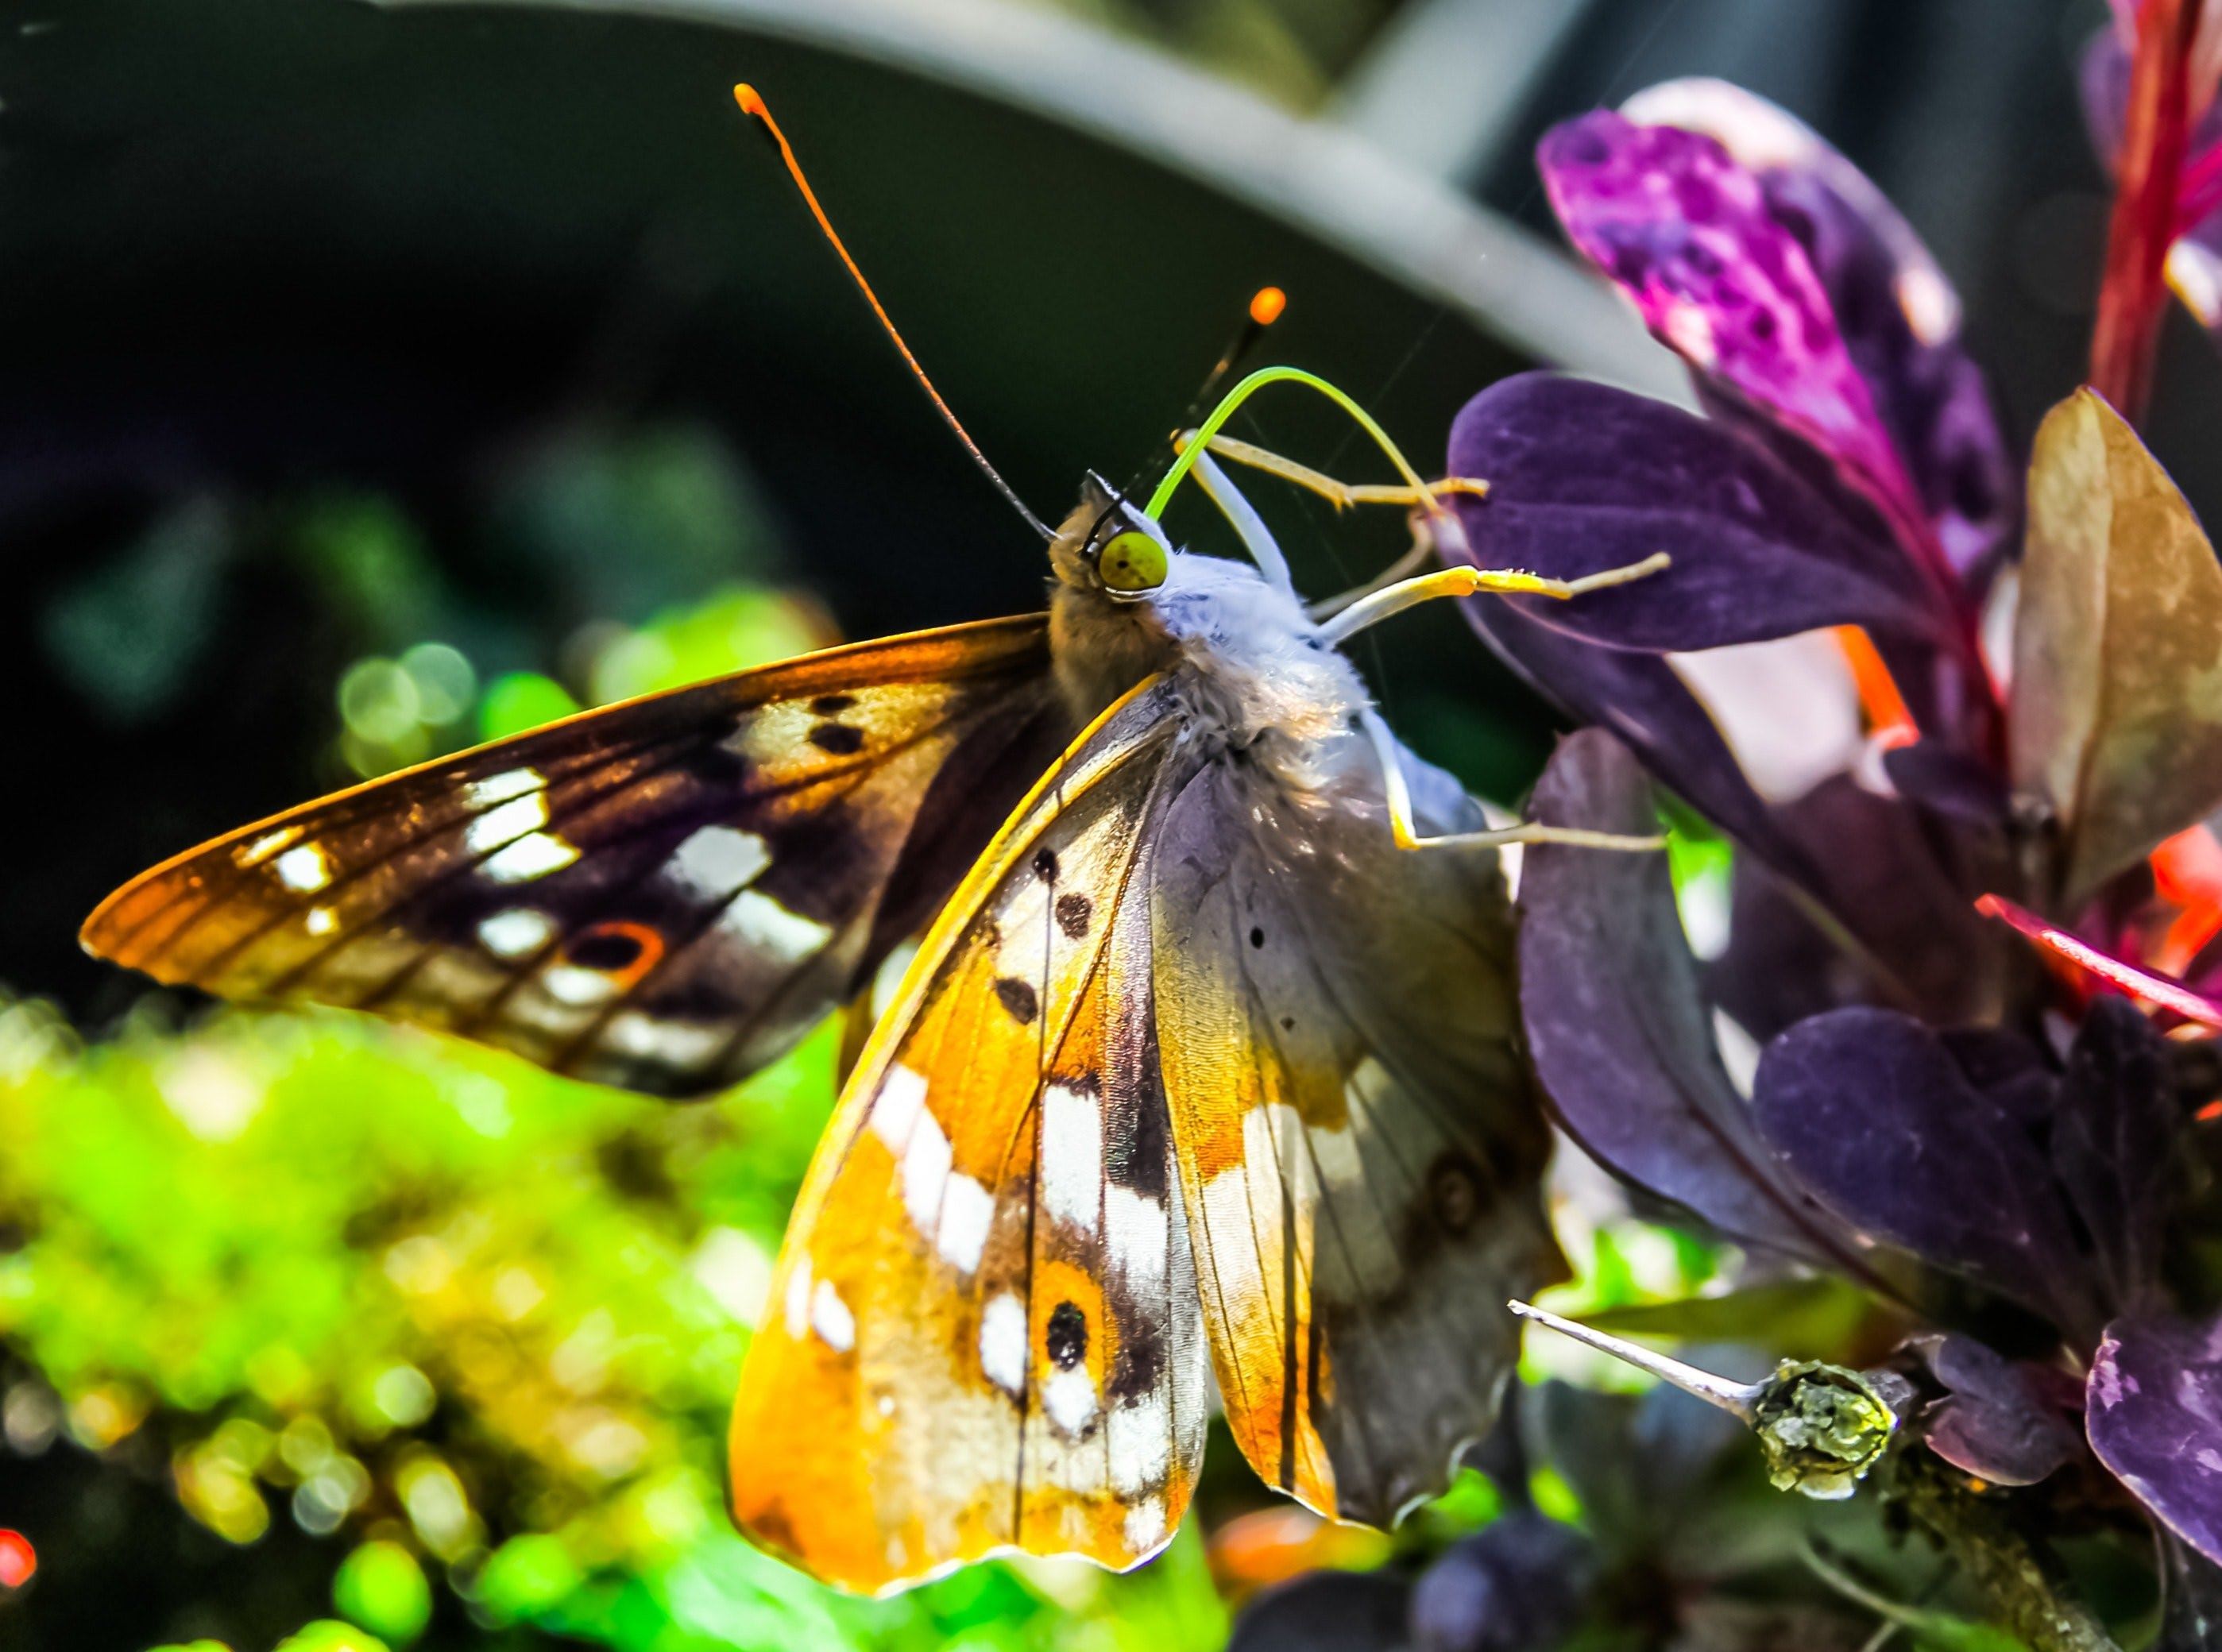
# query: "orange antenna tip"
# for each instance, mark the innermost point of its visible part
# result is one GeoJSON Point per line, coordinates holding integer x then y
{"type": "Point", "coordinates": [752, 101]}
{"type": "Point", "coordinates": [1266, 305]}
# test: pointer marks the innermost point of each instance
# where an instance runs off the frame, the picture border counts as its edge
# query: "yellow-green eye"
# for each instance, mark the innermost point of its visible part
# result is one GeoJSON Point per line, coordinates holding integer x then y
{"type": "Point", "coordinates": [1133, 562]}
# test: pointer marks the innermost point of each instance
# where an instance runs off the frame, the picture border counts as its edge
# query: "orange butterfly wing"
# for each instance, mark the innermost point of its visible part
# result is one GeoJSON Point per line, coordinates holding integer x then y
{"type": "Point", "coordinates": [662, 894]}
{"type": "Point", "coordinates": [984, 1331]}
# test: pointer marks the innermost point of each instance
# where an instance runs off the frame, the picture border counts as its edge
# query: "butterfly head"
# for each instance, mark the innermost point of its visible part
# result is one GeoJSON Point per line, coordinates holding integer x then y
{"type": "Point", "coordinates": [1110, 545]}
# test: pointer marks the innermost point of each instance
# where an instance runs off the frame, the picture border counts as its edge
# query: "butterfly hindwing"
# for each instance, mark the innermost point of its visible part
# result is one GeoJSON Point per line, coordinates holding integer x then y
{"type": "Point", "coordinates": [1360, 1150]}
{"type": "Point", "coordinates": [662, 894]}
{"type": "Point", "coordinates": [985, 1331]}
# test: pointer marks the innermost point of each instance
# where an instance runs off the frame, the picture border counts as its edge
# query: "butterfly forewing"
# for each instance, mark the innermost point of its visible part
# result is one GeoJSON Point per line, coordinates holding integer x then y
{"type": "Point", "coordinates": [1359, 1149]}
{"type": "Point", "coordinates": [984, 1329]}
{"type": "Point", "coordinates": [662, 894]}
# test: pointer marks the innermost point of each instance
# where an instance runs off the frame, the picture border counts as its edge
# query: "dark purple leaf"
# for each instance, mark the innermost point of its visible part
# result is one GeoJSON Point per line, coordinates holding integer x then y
{"type": "Point", "coordinates": [1883, 878]}
{"type": "Point", "coordinates": [1583, 477]}
{"type": "Point", "coordinates": [1951, 782]}
{"type": "Point", "coordinates": [1640, 698]}
{"type": "Point", "coordinates": [1688, 235]}
{"type": "Point", "coordinates": [1915, 939]}
{"type": "Point", "coordinates": [1897, 312]}
{"type": "Point", "coordinates": [2154, 1417]}
{"type": "Point", "coordinates": [1998, 1418]}
{"type": "Point", "coordinates": [2113, 1132]}
{"type": "Point", "coordinates": [1878, 1122]}
{"type": "Point", "coordinates": [1619, 1035]}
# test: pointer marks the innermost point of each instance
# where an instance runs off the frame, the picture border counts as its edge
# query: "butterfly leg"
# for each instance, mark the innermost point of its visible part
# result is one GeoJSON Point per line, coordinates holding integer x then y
{"type": "Point", "coordinates": [1405, 827]}
{"type": "Point", "coordinates": [1463, 581]}
{"type": "Point", "coordinates": [1341, 495]}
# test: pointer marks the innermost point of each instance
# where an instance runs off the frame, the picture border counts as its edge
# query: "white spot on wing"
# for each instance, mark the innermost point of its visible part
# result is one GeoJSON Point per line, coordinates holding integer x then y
{"type": "Point", "coordinates": [967, 1209]}
{"type": "Point", "coordinates": [505, 823]}
{"type": "Point", "coordinates": [831, 1318]}
{"type": "Point", "coordinates": [894, 1109]}
{"type": "Point", "coordinates": [924, 1172]}
{"type": "Point", "coordinates": [534, 855]}
{"type": "Point", "coordinates": [306, 869]}
{"type": "Point", "coordinates": [676, 1043]}
{"type": "Point", "coordinates": [1145, 1525]}
{"type": "Point", "coordinates": [1140, 1435]}
{"type": "Point", "coordinates": [321, 920]}
{"type": "Point", "coordinates": [1003, 1343]}
{"type": "Point", "coordinates": [500, 788]}
{"type": "Point", "coordinates": [1135, 1237]}
{"type": "Point", "coordinates": [569, 984]}
{"type": "Point", "coordinates": [515, 932]}
{"type": "Point", "coordinates": [1069, 1398]}
{"type": "Point", "coordinates": [716, 860]}
{"type": "Point", "coordinates": [1073, 1155]}
{"type": "Point", "coordinates": [762, 922]}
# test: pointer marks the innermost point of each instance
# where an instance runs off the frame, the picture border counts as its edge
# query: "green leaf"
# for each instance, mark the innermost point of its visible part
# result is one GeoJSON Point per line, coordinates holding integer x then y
{"type": "Point", "coordinates": [2116, 719]}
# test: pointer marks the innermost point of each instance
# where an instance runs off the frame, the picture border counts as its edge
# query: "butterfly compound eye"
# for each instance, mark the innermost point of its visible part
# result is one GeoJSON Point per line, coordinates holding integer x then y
{"type": "Point", "coordinates": [1133, 562]}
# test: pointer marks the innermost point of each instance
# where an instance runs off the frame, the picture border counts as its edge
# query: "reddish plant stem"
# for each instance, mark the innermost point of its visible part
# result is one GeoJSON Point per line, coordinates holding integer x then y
{"type": "Point", "coordinates": [2133, 296]}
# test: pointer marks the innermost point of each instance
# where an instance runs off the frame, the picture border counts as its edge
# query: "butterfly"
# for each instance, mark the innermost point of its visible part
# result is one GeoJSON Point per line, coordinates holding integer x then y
{"type": "Point", "coordinates": [1206, 1073]}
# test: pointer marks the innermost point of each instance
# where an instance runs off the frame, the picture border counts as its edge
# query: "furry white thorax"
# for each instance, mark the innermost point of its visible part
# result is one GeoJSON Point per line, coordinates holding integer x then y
{"type": "Point", "coordinates": [1257, 665]}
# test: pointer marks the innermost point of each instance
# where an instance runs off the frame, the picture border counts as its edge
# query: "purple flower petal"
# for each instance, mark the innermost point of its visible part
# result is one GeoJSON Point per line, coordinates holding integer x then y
{"type": "Point", "coordinates": [1894, 307]}
{"type": "Point", "coordinates": [1583, 477]}
{"type": "Point", "coordinates": [1619, 1034]}
{"type": "Point", "coordinates": [1689, 235]}
{"type": "Point", "coordinates": [2154, 1417]}
{"type": "Point", "coordinates": [1997, 1419]}
{"type": "Point", "coordinates": [1878, 1122]}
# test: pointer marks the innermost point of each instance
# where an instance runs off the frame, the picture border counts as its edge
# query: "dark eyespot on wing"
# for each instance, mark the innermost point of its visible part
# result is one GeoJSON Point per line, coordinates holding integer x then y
{"type": "Point", "coordinates": [1018, 997]}
{"type": "Point", "coordinates": [1073, 911]}
{"type": "Point", "coordinates": [837, 738]}
{"type": "Point", "coordinates": [1045, 864]}
{"type": "Point", "coordinates": [606, 946]}
{"type": "Point", "coordinates": [1066, 1337]}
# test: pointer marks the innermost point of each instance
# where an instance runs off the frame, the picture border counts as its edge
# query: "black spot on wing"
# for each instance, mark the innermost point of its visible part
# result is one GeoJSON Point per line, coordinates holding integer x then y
{"type": "Point", "coordinates": [837, 738]}
{"type": "Point", "coordinates": [832, 705]}
{"type": "Point", "coordinates": [606, 948]}
{"type": "Point", "coordinates": [1066, 1336]}
{"type": "Point", "coordinates": [1045, 864]}
{"type": "Point", "coordinates": [1018, 997]}
{"type": "Point", "coordinates": [1073, 911]}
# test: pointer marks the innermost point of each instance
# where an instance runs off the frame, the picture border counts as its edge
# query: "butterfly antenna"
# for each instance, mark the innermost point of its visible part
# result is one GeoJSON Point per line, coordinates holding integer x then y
{"type": "Point", "coordinates": [752, 105]}
{"type": "Point", "coordinates": [1266, 307]}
